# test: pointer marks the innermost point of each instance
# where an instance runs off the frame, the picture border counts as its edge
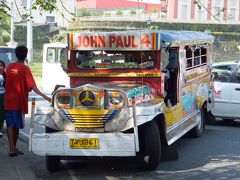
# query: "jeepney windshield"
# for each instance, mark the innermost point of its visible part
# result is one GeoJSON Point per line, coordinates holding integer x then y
{"type": "Point", "coordinates": [115, 59]}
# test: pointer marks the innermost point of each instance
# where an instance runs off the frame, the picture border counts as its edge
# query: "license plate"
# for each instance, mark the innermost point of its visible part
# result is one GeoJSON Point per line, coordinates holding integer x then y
{"type": "Point", "coordinates": [84, 143]}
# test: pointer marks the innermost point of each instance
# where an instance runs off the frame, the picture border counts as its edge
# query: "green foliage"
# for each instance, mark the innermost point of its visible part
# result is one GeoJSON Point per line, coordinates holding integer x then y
{"type": "Point", "coordinates": [133, 11]}
{"type": "Point", "coordinates": [5, 30]}
{"type": "Point", "coordinates": [119, 12]}
{"type": "Point", "coordinates": [83, 12]}
{"type": "Point", "coordinates": [107, 13]}
{"type": "Point", "coordinates": [4, 9]}
{"type": "Point", "coordinates": [44, 5]}
{"type": "Point", "coordinates": [36, 69]}
{"type": "Point", "coordinates": [94, 13]}
{"type": "Point", "coordinates": [154, 11]}
{"type": "Point", "coordinates": [154, 28]}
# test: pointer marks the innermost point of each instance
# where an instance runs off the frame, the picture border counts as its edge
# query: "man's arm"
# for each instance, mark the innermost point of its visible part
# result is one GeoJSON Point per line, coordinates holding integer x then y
{"type": "Point", "coordinates": [36, 90]}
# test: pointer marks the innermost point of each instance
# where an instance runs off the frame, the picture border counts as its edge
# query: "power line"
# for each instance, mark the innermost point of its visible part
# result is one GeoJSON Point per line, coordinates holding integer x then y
{"type": "Point", "coordinates": [64, 7]}
{"type": "Point", "coordinates": [18, 9]}
{"type": "Point", "coordinates": [200, 4]}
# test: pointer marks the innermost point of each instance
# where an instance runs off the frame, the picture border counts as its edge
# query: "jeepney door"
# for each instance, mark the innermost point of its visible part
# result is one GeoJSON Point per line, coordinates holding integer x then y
{"type": "Point", "coordinates": [173, 111]}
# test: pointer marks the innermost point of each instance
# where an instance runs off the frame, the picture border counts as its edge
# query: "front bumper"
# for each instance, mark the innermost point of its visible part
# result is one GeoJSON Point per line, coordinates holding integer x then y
{"type": "Point", "coordinates": [58, 144]}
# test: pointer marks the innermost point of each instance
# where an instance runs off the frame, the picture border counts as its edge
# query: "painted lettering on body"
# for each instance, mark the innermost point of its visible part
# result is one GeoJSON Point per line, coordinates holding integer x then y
{"type": "Point", "coordinates": [122, 41]}
{"type": "Point", "coordinates": [91, 42]}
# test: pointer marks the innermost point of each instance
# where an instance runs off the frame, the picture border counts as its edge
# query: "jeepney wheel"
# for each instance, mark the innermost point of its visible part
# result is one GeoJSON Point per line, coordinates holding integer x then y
{"type": "Point", "coordinates": [52, 163]}
{"type": "Point", "coordinates": [199, 128]}
{"type": "Point", "coordinates": [150, 145]}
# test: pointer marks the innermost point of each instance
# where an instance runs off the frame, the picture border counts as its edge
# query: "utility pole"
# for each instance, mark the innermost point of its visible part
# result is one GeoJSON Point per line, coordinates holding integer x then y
{"type": "Point", "coordinates": [29, 32]}
{"type": "Point", "coordinates": [12, 43]}
{"type": "Point", "coordinates": [12, 22]}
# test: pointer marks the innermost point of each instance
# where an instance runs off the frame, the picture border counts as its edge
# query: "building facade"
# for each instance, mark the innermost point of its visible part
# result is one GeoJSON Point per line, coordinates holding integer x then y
{"type": "Point", "coordinates": [106, 5]}
{"type": "Point", "coordinates": [204, 10]}
{"type": "Point", "coordinates": [184, 10]}
{"type": "Point", "coordinates": [60, 17]}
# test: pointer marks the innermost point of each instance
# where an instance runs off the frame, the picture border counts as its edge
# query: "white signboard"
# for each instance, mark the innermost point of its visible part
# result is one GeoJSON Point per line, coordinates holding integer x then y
{"type": "Point", "coordinates": [128, 40]}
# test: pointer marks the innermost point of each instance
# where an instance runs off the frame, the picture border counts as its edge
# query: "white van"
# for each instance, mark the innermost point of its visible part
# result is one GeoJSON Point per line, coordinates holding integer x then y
{"type": "Point", "coordinates": [226, 90]}
{"type": "Point", "coordinates": [52, 72]}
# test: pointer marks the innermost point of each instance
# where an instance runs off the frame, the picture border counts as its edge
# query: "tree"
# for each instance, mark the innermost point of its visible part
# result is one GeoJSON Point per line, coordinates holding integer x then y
{"type": "Point", "coordinates": [45, 5]}
{"type": "Point", "coordinates": [3, 9]}
{"type": "Point", "coordinates": [133, 11]}
{"type": "Point", "coordinates": [5, 31]}
{"type": "Point", "coordinates": [154, 10]}
{"type": "Point", "coordinates": [4, 23]}
{"type": "Point", "coordinates": [119, 12]}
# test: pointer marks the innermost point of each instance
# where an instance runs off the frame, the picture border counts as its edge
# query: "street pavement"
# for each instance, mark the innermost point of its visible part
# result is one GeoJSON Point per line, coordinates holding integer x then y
{"type": "Point", "coordinates": [16, 168]}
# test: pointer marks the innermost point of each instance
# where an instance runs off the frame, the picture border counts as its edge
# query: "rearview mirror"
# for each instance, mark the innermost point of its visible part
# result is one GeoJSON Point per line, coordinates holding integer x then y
{"type": "Point", "coordinates": [64, 59]}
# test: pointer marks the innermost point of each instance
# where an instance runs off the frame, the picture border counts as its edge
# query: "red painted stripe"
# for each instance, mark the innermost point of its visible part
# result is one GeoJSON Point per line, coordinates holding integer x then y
{"type": "Point", "coordinates": [153, 41]}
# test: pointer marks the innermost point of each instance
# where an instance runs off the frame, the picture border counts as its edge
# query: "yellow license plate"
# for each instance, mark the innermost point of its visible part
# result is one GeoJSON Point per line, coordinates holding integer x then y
{"type": "Point", "coordinates": [84, 143]}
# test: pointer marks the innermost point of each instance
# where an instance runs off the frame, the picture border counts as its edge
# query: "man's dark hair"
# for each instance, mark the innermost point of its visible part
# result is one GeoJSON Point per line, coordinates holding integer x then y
{"type": "Point", "coordinates": [21, 52]}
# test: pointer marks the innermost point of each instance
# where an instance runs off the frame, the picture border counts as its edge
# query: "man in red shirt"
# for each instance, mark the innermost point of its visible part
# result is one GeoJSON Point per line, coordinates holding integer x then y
{"type": "Point", "coordinates": [19, 82]}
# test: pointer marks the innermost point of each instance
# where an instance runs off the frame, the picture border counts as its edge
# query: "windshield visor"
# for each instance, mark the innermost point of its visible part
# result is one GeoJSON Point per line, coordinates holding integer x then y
{"type": "Point", "coordinates": [115, 60]}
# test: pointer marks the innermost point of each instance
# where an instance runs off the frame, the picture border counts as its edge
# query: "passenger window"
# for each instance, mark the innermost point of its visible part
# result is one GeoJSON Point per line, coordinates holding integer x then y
{"type": "Point", "coordinates": [53, 55]}
{"type": "Point", "coordinates": [203, 55]}
{"type": "Point", "coordinates": [222, 73]}
{"type": "Point", "coordinates": [50, 55]}
{"type": "Point", "coordinates": [189, 57]}
{"type": "Point", "coordinates": [196, 57]}
{"type": "Point", "coordinates": [238, 74]}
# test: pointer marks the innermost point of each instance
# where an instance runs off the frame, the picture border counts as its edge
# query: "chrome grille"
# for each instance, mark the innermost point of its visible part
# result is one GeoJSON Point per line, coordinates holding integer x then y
{"type": "Point", "coordinates": [89, 121]}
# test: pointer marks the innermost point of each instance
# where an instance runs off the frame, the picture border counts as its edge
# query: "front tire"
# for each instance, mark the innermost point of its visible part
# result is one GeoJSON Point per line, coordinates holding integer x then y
{"type": "Point", "coordinates": [150, 145]}
{"type": "Point", "coordinates": [52, 162]}
{"type": "Point", "coordinates": [197, 131]}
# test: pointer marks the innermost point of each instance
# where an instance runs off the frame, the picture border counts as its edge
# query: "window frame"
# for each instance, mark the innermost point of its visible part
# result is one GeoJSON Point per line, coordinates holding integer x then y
{"type": "Point", "coordinates": [198, 54]}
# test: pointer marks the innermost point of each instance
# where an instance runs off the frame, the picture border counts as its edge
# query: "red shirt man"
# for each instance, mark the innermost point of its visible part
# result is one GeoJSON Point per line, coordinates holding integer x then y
{"type": "Point", "coordinates": [19, 81]}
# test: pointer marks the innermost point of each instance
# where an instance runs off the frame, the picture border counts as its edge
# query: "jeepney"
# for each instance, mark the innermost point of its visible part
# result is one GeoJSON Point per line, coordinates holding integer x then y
{"type": "Point", "coordinates": [131, 93]}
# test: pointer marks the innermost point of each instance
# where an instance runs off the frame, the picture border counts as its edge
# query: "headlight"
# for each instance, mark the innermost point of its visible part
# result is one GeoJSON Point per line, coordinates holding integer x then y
{"type": "Point", "coordinates": [115, 99]}
{"type": "Point", "coordinates": [63, 99]}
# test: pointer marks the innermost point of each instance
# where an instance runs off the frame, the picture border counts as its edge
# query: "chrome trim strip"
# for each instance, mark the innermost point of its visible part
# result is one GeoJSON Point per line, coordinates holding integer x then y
{"type": "Point", "coordinates": [182, 127]}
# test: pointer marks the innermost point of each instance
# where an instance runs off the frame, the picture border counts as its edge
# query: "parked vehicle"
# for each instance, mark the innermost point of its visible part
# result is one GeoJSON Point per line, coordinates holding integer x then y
{"type": "Point", "coordinates": [52, 72]}
{"type": "Point", "coordinates": [120, 103]}
{"type": "Point", "coordinates": [227, 90]}
{"type": "Point", "coordinates": [7, 54]}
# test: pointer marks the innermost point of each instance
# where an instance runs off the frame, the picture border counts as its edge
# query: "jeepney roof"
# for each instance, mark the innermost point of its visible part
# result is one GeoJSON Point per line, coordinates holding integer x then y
{"type": "Point", "coordinates": [136, 39]}
{"type": "Point", "coordinates": [176, 38]}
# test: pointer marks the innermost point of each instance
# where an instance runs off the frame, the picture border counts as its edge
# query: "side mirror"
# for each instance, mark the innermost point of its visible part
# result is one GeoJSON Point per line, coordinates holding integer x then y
{"type": "Point", "coordinates": [164, 58]}
{"type": "Point", "coordinates": [64, 59]}
{"type": "Point", "coordinates": [57, 87]}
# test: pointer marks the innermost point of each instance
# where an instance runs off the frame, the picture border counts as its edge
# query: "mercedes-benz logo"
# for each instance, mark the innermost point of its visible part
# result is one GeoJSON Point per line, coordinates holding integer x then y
{"type": "Point", "coordinates": [87, 98]}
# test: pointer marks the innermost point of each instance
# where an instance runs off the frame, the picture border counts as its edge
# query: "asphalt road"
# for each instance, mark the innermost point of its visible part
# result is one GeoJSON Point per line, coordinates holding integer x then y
{"type": "Point", "coordinates": [215, 155]}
